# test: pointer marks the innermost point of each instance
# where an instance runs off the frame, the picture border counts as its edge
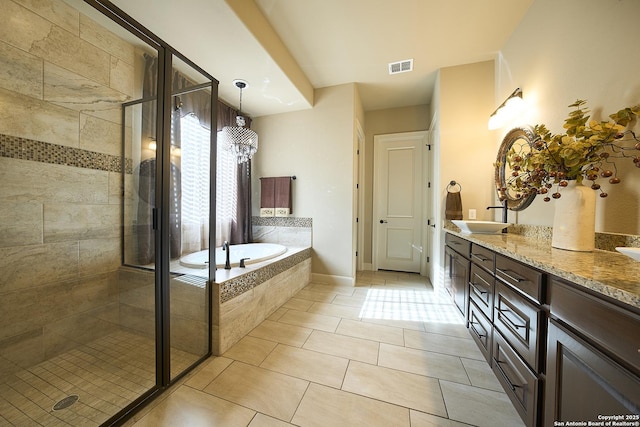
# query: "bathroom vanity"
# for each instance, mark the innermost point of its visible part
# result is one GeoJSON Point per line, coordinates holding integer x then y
{"type": "Point", "coordinates": [560, 329]}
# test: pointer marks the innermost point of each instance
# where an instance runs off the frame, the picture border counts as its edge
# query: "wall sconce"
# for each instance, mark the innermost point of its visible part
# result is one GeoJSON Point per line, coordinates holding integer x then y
{"type": "Point", "coordinates": [507, 110]}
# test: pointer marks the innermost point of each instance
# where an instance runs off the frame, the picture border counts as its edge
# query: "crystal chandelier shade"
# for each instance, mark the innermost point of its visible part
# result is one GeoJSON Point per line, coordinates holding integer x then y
{"type": "Point", "coordinates": [241, 141]}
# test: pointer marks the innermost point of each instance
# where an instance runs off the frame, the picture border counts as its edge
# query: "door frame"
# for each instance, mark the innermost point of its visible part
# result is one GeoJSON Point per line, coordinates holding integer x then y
{"type": "Point", "coordinates": [359, 196]}
{"type": "Point", "coordinates": [424, 211]}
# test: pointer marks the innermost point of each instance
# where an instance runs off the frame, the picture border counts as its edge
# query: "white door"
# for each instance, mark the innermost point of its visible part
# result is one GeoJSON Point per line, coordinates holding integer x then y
{"type": "Point", "coordinates": [398, 200]}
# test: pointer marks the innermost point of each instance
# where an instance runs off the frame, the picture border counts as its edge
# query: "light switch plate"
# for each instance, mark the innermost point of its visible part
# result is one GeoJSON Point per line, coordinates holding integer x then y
{"type": "Point", "coordinates": [472, 214]}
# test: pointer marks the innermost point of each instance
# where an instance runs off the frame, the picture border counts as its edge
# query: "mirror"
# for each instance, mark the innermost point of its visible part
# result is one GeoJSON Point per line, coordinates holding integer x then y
{"type": "Point", "coordinates": [520, 140]}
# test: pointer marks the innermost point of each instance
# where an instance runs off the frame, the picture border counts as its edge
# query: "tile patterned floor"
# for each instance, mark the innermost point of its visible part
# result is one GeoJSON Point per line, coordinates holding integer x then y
{"type": "Point", "coordinates": [388, 352]}
{"type": "Point", "coordinates": [106, 374]}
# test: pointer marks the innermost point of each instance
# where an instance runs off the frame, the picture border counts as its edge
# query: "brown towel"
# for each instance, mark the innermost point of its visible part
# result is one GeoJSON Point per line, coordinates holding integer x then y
{"type": "Point", "coordinates": [283, 193]}
{"type": "Point", "coordinates": [453, 206]}
{"type": "Point", "coordinates": [267, 192]}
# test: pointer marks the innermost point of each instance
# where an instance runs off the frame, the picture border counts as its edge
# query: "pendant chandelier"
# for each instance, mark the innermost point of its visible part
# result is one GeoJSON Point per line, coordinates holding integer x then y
{"type": "Point", "coordinates": [241, 141]}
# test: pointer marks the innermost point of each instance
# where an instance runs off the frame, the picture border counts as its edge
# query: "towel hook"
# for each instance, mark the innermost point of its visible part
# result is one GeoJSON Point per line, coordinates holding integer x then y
{"type": "Point", "coordinates": [453, 184]}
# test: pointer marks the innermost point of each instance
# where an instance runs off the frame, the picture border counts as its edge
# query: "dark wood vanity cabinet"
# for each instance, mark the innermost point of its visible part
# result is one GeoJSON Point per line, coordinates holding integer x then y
{"type": "Point", "coordinates": [505, 317]}
{"type": "Point", "coordinates": [519, 319]}
{"type": "Point", "coordinates": [519, 381]}
{"type": "Point", "coordinates": [457, 265]}
{"type": "Point", "coordinates": [593, 358]}
{"type": "Point", "coordinates": [481, 290]}
{"type": "Point", "coordinates": [481, 330]}
{"type": "Point", "coordinates": [561, 351]}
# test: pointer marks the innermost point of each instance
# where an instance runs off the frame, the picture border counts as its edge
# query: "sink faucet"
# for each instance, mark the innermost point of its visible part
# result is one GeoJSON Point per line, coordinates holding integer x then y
{"type": "Point", "coordinates": [225, 247]}
{"type": "Point", "coordinates": [504, 212]}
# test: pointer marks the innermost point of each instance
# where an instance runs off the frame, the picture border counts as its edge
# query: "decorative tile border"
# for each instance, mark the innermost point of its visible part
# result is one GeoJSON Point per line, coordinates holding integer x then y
{"type": "Point", "coordinates": [241, 284]}
{"type": "Point", "coordinates": [27, 149]}
{"type": "Point", "coordinates": [289, 221]}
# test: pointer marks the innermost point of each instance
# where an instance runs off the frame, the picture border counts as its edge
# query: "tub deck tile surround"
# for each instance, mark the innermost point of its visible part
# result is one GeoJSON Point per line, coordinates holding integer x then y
{"type": "Point", "coordinates": [608, 273]}
{"type": "Point", "coordinates": [236, 282]}
{"type": "Point", "coordinates": [243, 299]}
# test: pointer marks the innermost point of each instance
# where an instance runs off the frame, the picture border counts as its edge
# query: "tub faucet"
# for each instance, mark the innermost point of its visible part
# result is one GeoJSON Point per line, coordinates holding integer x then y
{"type": "Point", "coordinates": [225, 247]}
{"type": "Point", "coordinates": [505, 211]}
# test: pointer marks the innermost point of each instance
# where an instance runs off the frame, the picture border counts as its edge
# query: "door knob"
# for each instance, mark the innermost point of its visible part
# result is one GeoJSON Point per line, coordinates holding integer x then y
{"type": "Point", "coordinates": [382, 221]}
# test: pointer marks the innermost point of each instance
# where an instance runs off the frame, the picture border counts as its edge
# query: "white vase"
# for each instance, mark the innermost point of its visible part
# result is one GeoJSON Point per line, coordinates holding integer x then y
{"type": "Point", "coordinates": [574, 221]}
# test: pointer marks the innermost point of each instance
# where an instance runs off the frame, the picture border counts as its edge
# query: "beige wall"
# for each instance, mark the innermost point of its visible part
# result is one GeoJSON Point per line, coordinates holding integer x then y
{"type": "Point", "coordinates": [467, 150]}
{"type": "Point", "coordinates": [380, 122]}
{"type": "Point", "coordinates": [586, 49]}
{"type": "Point", "coordinates": [317, 146]}
{"type": "Point", "coordinates": [464, 147]}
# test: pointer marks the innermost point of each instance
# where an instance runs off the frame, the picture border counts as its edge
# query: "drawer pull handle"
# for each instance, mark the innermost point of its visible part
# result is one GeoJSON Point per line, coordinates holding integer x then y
{"type": "Point", "coordinates": [512, 275]}
{"type": "Point", "coordinates": [476, 331]}
{"type": "Point", "coordinates": [478, 290]}
{"type": "Point", "coordinates": [508, 319]}
{"type": "Point", "coordinates": [481, 258]}
{"type": "Point", "coordinates": [504, 374]}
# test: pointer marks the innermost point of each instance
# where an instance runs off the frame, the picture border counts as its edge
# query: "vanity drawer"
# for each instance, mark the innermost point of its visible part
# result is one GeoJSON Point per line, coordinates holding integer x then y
{"type": "Point", "coordinates": [519, 382]}
{"type": "Point", "coordinates": [481, 330]}
{"type": "Point", "coordinates": [615, 329]}
{"type": "Point", "coordinates": [481, 289]}
{"type": "Point", "coordinates": [458, 244]}
{"type": "Point", "coordinates": [483, 257]}
{"type": "Point", "coordinates": [520, 276]}
{"type": "Point", "coordinates": [520, 322]}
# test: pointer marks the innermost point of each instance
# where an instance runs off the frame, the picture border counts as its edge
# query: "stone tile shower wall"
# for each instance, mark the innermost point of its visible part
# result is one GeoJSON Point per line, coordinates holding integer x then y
{"type": "Point", "coordinates": [63, 78]}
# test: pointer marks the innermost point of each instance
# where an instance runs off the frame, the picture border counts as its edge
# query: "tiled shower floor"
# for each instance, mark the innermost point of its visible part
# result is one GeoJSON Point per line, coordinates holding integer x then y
{"type": "Point", "coordinates": [106, 374]}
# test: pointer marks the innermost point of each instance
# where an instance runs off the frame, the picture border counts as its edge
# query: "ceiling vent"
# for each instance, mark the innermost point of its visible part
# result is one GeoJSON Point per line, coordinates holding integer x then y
{"type": "Point", "coordinates": [401, 66]}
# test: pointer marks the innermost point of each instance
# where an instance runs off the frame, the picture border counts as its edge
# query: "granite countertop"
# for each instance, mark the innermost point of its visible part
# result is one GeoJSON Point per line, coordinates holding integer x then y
{"type": "Point", "coordinates": [608, 273]}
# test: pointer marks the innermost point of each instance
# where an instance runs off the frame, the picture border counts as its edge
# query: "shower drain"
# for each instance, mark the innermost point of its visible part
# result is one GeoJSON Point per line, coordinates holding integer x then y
{"type": "Point", "coordinates": [66, 402]}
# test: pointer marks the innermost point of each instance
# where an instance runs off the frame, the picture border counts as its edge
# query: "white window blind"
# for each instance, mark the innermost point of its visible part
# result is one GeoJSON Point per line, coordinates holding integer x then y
{"type": "Point", "coordinates": [195, 152]}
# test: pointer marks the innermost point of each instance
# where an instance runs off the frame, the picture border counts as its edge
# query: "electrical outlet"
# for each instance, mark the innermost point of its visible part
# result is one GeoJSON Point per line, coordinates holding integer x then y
{"type": "Point", "coordinates": [472, 214]}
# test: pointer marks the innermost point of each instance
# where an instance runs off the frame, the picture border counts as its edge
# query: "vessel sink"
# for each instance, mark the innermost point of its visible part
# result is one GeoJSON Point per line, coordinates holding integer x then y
{"type": "Point", "coordinates": [630, 252]}
{"type": "Point", "coordinates": [479, 227]}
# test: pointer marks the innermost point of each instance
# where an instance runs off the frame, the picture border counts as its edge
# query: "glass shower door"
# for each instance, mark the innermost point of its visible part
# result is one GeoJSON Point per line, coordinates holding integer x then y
{"type": "Point", "coordinates": [190, 154]}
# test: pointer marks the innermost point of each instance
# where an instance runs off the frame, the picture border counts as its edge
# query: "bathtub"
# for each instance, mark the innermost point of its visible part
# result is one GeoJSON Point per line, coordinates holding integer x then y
{"type": "Point", "coordinates": [255, 252]}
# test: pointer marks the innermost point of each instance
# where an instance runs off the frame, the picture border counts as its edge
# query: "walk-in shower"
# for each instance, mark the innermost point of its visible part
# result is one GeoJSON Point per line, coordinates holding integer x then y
{"type": "Point", "coordinates": [103, 127]}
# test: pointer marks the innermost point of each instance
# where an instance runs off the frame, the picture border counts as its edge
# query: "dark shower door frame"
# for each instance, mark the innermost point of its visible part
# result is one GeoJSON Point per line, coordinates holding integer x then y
{"type": "Point", "coordinates": [162, 210]}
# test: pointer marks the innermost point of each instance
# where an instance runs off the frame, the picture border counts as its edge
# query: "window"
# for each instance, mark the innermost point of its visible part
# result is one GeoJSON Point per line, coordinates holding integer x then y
{"type": "Point", "coordinates": [195, 160]}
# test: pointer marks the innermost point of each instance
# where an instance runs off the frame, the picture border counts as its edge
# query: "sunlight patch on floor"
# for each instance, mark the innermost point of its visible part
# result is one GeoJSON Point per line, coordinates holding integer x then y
{"type": "Point", "coordinates": [410, 305]}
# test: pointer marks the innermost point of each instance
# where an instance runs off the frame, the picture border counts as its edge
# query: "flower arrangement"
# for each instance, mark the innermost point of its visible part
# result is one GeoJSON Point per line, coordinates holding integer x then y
{"type": "Point", "coordinates": [587, 150]}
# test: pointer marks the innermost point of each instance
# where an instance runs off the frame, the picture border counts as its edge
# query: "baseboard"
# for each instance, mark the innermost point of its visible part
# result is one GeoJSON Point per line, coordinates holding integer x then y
{"type": "Point", "coordinates": [367, 266]}
{"type": "Point", "coordinates": [332, 280]}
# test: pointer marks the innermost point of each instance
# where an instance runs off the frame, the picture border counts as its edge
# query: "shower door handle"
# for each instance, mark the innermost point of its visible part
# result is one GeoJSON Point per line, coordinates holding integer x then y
{"type": "Point", "coordinates": [154, 218]}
